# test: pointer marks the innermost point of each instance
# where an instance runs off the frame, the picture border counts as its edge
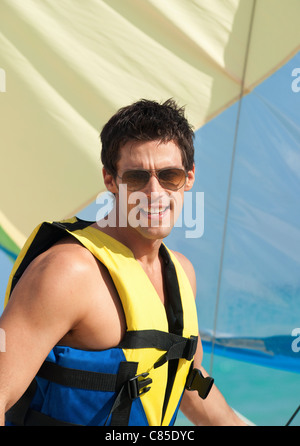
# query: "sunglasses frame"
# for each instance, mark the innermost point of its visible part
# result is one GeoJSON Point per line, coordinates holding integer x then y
{"type": "Point", "coordinates": [156, 173]}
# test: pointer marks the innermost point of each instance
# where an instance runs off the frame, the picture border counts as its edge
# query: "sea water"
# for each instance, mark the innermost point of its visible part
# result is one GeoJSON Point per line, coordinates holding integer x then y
{"type": "Point", "coordinates": [265, 396]}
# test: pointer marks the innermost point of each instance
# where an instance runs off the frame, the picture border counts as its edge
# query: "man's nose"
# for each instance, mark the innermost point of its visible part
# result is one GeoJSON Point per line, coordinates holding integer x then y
{"type": "Point", "coordinates": [153, 185]}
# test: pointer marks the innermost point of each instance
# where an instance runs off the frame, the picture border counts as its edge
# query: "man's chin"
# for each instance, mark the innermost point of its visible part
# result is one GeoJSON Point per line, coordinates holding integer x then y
{"type": "Point", "coordinates": [154, 233]}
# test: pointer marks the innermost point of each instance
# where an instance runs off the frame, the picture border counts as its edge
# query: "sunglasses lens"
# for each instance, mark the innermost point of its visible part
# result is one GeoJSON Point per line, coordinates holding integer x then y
{"type": "Point", "coordinates": [172, 179]}
{"type": "Point", "coordinates": [135, 179]}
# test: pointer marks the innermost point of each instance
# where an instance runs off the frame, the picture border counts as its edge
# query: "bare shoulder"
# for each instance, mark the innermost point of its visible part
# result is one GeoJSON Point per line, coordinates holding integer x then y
{"type": "Point", "coordinates": [63, 264]}
{"type": "Point", "coordinates": [188, 268]}
{"type": "Point", "coordinates": [52, 286]}
{"type": "Point", "coordinates": [68, 254]}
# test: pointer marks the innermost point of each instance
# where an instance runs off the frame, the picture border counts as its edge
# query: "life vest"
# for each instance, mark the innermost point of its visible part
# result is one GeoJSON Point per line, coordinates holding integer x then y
{"type": "Point", "coordinates": [139, 382]}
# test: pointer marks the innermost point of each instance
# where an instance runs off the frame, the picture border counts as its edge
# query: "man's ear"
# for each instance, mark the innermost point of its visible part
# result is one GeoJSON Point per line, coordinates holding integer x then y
{"type": "Point", "coordinates": [190, 179]}
{"type": "Point", "coordinates": [109, 181]}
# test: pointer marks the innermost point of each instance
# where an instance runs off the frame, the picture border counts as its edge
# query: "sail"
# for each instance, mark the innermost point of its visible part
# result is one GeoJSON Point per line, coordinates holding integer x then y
{"type": "Point", "coordinates": [248, 258]}
{"type": "Point", "coordinates": [67, 66]}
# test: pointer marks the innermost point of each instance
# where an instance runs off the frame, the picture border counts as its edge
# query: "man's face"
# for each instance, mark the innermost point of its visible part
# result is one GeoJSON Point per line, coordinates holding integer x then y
{"type": "Point", "coordinates": [152, 209]}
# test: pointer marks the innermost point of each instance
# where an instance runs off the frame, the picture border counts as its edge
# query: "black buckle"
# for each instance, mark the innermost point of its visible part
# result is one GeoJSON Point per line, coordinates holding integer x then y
{"type": "Point", "coordinates": [136, 387]}
{"type": "Point", "coordinates": [196, 381]}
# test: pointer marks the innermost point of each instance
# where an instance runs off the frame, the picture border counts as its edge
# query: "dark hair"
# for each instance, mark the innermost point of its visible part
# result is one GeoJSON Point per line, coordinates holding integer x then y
{"type": "Point", "coordinates": [147, 121]}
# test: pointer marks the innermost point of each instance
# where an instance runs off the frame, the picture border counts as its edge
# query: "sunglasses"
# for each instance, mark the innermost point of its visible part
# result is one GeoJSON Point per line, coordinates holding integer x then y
{"type": "Point", "coordinates": [171, 178]}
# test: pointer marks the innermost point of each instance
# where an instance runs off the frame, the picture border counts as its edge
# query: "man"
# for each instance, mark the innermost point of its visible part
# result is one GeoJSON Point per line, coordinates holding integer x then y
{"type": "Point", "coordinates": [111, 304]}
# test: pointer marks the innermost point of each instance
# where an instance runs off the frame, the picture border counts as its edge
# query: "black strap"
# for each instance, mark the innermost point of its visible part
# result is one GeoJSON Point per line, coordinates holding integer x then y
{"type": "Point", "coordinates": [17, 414]}
{"type": "Point", "coordinates": [47, 235]}
{"type": "Point", "coordinates": [75, 226]}
{"type": "Point", "coordinates": [173, 305]}
{"type": "Point", "coordinates": [184, 349]}
{"type": "Point", "coordinates": [126, 384]}
{"type": "Point", "coordinates": [80, 379]}
{"type": "Point", "coordinates": [122, 405]}
{"type": "Point", "coordinates": [130, 386]}
{"type": "Point", "coordinates": [161, 340]}
{"type": "Point", "coordinates": [35, 418]}
{"type": "Point", "coordinates": [21, 415]}
{"type": "Point", "coordinates": [175, 346]}
{"type": "Point", "coordinates": [174, 312]}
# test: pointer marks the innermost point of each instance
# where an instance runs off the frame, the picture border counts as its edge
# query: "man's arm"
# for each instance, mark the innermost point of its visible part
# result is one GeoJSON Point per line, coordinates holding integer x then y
{"type": "Point", "coordinates": [214, 410]}
{"type": "Point", "coordinates": [44, 306]}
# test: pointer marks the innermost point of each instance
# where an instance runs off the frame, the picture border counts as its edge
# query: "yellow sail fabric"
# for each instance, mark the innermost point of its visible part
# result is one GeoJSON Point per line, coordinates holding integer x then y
{"type": "Point", "coordinates": [68, 65]}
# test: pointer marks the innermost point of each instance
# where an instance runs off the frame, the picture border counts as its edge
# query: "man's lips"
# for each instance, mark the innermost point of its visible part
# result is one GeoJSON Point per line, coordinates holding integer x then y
{"type": "Point", "coordinates": [154, 210]}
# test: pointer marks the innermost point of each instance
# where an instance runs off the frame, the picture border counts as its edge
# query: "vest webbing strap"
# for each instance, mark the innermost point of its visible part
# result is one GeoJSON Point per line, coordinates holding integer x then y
{"type": "Point", "coordinates": [176, 346]}
{"type": "Point", "coordinates": [21, 415]}
{"type": "Point", "coordinates": [80, 379]}
{"type": "Point", "coordinates": [122, 405]}
{"type": "Point", "coordinates": [126, 385]}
